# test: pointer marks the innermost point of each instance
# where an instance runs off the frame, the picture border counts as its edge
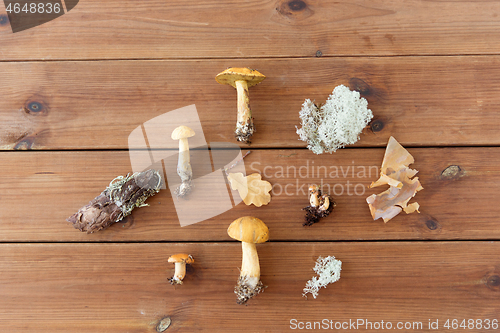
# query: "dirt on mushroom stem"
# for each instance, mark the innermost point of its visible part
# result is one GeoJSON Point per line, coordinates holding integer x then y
{"type": "Point", "coordinates": [244, 131]}
{"type": "Point", "coordinates": [244, 292]}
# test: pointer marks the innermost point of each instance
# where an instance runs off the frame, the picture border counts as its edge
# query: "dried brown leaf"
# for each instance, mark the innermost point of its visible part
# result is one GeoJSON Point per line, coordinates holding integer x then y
{"type": "Point", "coordinates": [395, 173]}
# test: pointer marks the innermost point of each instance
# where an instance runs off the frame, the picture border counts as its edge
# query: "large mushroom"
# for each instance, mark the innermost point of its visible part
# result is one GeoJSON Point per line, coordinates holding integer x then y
{"type": "Point", "coordinates": [182, 133]}
{"type": "Point", "coordinates": [242, 79]}
{"type": "Point", "coordinates": [250, 231]}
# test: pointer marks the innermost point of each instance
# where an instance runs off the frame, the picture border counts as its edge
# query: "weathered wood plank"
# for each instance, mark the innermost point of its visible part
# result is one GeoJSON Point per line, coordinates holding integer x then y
{"type": "Point", "coordinates": [39, 190]}
{"type": "Point", "coordinates": [430, 101]}
{"type": "Point", "coordinates": [279, 28]}
{"type": "Point", "coordinates": [124, 288]}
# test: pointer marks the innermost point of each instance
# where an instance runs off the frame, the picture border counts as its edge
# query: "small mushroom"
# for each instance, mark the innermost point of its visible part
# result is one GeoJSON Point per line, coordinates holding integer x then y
{"type": "Point", "coordinates": [180, 261]}
{"type": "Point", "coordinates": [182, 133]}
{"type": "Point", "coordinates": [242, 79]}
{"type": "Point", "coordinates": [250, 231]}
{"type": "Point", "coordinates": [319, 205]}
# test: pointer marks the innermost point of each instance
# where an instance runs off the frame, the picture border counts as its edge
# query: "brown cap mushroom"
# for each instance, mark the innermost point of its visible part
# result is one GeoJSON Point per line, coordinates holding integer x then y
{"type": "Point", "coordinates": [250, 231]}
{"type": "Point", "coordinates": [242, 79]}
{"type": "Point", "coordinates": [182, 133]}
{"type": "Point", "coordinates": [180, 260]}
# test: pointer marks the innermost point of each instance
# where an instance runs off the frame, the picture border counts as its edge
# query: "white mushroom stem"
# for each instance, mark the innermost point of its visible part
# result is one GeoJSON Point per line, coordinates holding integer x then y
{"type": "Point", "coordinates": [314, 196]}
{"type": "Point", "coordinates": [326, 203]}
{"type": "Point", "coordinates": [250, 268]}
{"type": "Point", "coordinates": [180, 272]}
{"type": "Point", "coordinates": [244, 124]}
{"type": "Point", "coordinates": [183, 166]}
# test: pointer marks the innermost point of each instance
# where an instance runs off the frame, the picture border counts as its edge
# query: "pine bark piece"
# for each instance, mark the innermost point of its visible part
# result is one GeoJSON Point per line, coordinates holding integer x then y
{"type": "Point", "coordinates": [117, 201]}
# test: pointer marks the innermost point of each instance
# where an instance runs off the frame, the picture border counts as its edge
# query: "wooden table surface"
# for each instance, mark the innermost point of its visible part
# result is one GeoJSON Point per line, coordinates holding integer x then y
{"type": "Point", "coordinates": [430, 71]}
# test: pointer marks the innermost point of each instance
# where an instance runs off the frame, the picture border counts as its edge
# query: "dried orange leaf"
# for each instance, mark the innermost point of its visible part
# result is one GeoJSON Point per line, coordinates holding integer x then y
{"type": "Point", "coordinates": [395, 173]}
{"type": "Point", "coordinates": [252, 189]}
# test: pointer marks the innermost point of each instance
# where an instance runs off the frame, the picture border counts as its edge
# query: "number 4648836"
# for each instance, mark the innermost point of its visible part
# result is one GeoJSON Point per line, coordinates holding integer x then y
{"type": "Point", "coordinates": [34, 8]}
{"type": "Point", "coordinates": [485, 324]}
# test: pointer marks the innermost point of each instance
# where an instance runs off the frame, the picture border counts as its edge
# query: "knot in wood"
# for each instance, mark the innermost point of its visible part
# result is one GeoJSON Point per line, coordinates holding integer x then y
{"type": "Point", "coordinates": [451, 172]}
{"type": "Point", "coordinates": [360, 86]}
{"type": "Point", "coordinates": [431, 224]}
{"type": "Point", "coordinates": [297, 5]}
{"type": "Point", "coordinates": [377, 125]}
{"type": "Point", "coordinates": [163, 324]}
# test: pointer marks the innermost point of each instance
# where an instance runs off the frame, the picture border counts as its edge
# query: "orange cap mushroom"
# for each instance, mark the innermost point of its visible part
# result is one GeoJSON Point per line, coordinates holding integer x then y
{"type": "Point", "coordinates": [180, 260]}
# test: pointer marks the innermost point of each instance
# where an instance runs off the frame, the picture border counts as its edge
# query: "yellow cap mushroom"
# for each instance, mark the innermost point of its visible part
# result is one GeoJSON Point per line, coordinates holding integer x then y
{"type": "Point", "coordinates": [242, 79]}
{"type": "Point", "coordinates": [250, 231]}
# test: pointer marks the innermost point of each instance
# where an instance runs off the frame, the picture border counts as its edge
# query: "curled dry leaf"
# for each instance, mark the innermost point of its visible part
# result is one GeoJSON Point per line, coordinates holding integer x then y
{"type": "Point", "coordinates": [252, 189]}
{"type": "Point", "coordinates": [395, 173]}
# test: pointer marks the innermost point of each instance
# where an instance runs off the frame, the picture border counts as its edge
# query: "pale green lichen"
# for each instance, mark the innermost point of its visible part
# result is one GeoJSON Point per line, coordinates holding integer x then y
{"type": "Point", "coordinates": [328, 270]}
{"type": "Point", "coordinates": [337, 123]}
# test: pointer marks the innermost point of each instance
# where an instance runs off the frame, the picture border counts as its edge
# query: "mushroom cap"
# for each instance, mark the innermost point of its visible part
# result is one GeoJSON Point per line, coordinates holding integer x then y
{"type": "Point", "coordinates": [313, 188]}
{"type": "Point", "coordinates": [181, 257]}
{"type": "Point", "coordinates": [231, 75]}
{"type": "Point", "coordinates": [182, 132]}
{"type": "Point", "coordinates": [248, 229]}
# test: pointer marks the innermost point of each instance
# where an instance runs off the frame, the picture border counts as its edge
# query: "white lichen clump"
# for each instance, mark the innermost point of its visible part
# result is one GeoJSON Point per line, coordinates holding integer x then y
{"type": "Point", "coordinates": [335, 124]}
{"type": "Point", "coordinates": [328, 270]}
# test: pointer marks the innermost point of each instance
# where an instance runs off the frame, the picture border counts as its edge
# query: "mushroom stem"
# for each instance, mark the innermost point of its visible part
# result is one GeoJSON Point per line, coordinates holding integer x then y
{"type": "Point", "coordinates": [314, 196]}
{"type": "Point", "coordinates": [249, 283]}
{"type": "Point", "coordinates": [244, 124]}
{"type": "Point", "coordinates": [250, 268]}
{"type": "Point", "coordinates": [183, 166]}
{"type": "Point", "coordinates": [180, 272]}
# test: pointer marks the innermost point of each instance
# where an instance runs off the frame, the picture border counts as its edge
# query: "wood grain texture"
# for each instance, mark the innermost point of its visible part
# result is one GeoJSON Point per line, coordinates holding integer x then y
{"type": "Point", "coordinates": [272, 28]}
{"type": "Point", "coordinates": [422, 101]}
{"type": "Point", "coordinates": [39, 190]}
{"type": "Point", "coordinates": [124, 288]}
